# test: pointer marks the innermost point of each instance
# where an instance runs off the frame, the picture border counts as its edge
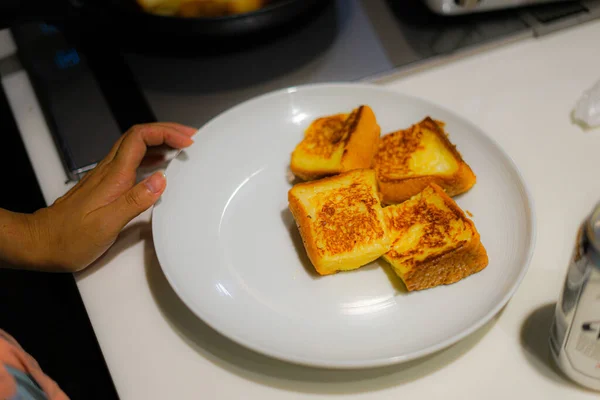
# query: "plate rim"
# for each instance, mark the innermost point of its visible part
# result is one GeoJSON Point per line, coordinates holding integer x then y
{"type": "Point", "coordinates": [367, 362]}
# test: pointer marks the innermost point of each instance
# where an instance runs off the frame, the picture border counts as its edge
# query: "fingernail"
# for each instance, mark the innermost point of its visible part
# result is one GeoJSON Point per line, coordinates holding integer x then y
{"type": "Point", "coordinates": [156, 182]}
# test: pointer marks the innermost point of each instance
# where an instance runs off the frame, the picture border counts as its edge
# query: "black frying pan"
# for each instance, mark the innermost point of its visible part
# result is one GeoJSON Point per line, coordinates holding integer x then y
{"type": "Point", "coordinates": [126, 17]}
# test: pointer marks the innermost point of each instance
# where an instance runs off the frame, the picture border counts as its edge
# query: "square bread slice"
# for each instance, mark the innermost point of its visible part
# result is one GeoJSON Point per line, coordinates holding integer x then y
{"type": "Point", "coordinates": [433, 242]}
{"type": "Point", "coordinates": [340, 220]}
{"type": "Point", "coordinates": [337, 143]}
{"type": "Point", "coordinates": [408, 160]}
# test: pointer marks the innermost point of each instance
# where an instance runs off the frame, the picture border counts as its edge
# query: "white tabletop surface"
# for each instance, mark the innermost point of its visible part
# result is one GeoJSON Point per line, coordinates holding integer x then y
{"type": "Point", "coordinates": [521, 95]}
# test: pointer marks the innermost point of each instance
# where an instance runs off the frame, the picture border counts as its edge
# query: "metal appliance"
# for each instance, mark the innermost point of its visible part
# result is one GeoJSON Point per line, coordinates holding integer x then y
{"type": "Point", "coordinates": [456, 7]}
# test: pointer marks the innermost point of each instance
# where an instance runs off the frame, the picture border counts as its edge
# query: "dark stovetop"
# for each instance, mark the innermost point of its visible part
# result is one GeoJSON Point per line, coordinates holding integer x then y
{"type": "Point", "coordinates": [93, 83]}
{"type": "Point", "coordinates": [43, 311]}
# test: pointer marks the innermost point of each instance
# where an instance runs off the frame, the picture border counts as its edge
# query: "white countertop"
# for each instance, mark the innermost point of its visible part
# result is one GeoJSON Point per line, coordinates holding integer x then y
{"type": "Point", "coordinates": [522, 96]}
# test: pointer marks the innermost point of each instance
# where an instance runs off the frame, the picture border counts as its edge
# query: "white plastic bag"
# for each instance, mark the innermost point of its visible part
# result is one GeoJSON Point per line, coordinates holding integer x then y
{"type": "Point", "coordinates": [587, 110]}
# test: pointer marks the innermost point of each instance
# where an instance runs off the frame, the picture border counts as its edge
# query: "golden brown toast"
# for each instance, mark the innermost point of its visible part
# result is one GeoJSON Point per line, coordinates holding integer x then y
{"type": "Point", "coordinates": [408, 160]}
{"type": "Point", "coordinates": [336, 144]}
{"type": "Point", "coordinates": [433, 242]}
{"type": "Point", "coordinates": [340, 220]}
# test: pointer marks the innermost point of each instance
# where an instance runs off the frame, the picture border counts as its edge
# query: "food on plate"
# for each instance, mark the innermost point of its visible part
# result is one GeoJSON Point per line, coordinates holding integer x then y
{"type": "Point", "coordinates": [201, 8]}
{"type": "Point", "coordinates": [340, 220]}
{"type": "Point", "coordinates": [337, 143]}
{"type": "Point", "coordinates": [352, 172]}
{"type": "Point", "coordinates": [433, 242]}
{"type": "Point", "coordinates": [408, 160]}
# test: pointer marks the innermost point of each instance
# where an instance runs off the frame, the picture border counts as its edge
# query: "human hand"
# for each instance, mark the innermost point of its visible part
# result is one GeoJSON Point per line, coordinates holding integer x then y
{"type": "Point", "coordinates": [81, 225]}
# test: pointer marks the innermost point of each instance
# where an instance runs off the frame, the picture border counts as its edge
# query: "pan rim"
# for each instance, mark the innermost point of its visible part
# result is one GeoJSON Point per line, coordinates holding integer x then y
{"type": "Point", "coordinates": [271, 7]}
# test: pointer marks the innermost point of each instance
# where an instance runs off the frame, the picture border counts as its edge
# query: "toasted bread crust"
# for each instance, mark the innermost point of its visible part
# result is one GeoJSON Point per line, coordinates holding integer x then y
{"type": "Point", "coordinates": [396, 190]}
{"type": "Point", "coordinates": [302, 218]}
{"type": "Point", "coordinates": [447, 268]}
{"type": "Point", "coordinates": [348, 216]}
{"type": "Point", "coordinates": [362, 141]}
{"type": "Point", "coordinates": [461, 259]}
{"type": "Point", "coordinates": [356, 133]}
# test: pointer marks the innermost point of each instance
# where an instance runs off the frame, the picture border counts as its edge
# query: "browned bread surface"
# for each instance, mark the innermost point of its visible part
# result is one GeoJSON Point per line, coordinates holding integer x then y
{"type": "Point", "coordinates": [408, 160]}
{"type": "Point", "coordinates": [433, 242]}
{"type": "Point", "coordinates": [337, 143]}
{"type": "Point", "coordinates": [340, 220]}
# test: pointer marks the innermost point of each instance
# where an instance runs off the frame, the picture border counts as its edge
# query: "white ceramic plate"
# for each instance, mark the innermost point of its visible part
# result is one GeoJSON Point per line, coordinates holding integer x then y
{"type": "Point", "coordinates": [229, 247]}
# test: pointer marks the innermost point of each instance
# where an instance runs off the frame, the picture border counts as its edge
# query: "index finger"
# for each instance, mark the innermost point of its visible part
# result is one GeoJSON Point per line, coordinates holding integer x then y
{"type": "Point", "coordinates": [185, 130]}
{"type": "Point", "coordinates": [133, 147]}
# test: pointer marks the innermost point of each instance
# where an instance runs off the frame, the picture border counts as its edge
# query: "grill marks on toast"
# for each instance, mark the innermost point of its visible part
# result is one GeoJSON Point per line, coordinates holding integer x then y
{"type": "Point", "coordinates": [324, 136]}
{"type": "Point", "coordinates": [347, 217]}
{"type": "Point", "coordinates": [395, 151]}
{"type": "Point", "coordinates": [408, 160]}
{"type": "Point", "coordinates": [433, 242]}
{"type": "Point", "coordinates": [335, 144]}
{"type": "Point", "coordinates": [423, 234]}
{"type": "Point", "coordinates": [340, 220]}
{"type": "Point", "coordinates": [436, 223]}
{"type": "Point", "coordinates": [351, 124]}
{"type": "Point", "coordinates": [328, 134]}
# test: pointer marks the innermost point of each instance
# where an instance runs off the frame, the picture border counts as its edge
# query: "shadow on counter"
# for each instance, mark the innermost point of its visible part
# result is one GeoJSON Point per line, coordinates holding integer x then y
{"type": "Point", "coordinates": [267, 371]}
{"type": "Point", "coordinates": [535, 334]}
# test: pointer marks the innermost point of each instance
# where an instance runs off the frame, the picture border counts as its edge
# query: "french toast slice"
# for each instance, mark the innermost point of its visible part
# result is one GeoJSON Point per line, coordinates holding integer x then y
{"type": "Point", "coordinates": [408, 160]}
{"type": "Point", "coordinates": [340, 220]}
{"type": "Point", "coordinates": [433, 242]}
{"type": "Point", "coordinates": [337, 143]}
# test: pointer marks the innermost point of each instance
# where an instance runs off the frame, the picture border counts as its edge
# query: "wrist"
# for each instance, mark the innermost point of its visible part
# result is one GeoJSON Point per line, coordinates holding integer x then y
{"type": "Point", "coordinates": [43, 240]}
{"type": "Point", "coordinates": [33, 245]}
{"type": "Point", "coordinates": [19, 244]}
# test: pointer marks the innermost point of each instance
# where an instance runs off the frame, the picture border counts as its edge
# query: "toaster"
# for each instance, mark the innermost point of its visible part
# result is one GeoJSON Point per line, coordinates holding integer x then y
{"type": "Point", "coordinates": [454, 7]}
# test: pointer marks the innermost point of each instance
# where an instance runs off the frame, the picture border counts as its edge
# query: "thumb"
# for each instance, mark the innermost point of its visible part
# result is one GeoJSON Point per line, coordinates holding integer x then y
{"type": "Point", "coordinates": [135, 201]}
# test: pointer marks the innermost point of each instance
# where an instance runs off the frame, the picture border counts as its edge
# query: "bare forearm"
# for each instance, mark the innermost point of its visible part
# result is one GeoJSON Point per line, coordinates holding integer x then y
{"type": "Point", "coordinates": [21, 243]}
{"type": "Point", "coordinates": [82, 225]}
